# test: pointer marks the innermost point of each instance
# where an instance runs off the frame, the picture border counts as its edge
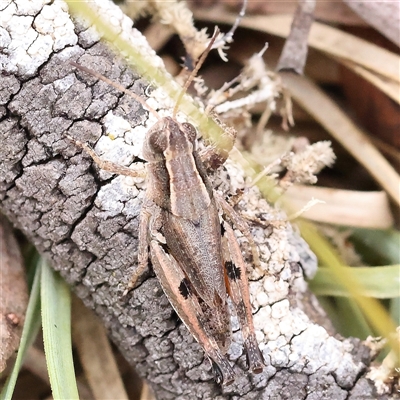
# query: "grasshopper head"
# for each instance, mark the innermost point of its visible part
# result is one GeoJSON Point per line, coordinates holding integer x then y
{"type": "Point", "coordinates": [169, 139]}
{"type": "Point", "coordinates": [181, 139]}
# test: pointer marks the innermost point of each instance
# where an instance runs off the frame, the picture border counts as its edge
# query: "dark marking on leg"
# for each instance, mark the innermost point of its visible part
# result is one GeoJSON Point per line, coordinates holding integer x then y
{"type": "Point", "coordinates": [232, 270]}
{"type": "Point", "coordinates": [184, 288]}
{"type": "Point", "coordinates": [222, 229]}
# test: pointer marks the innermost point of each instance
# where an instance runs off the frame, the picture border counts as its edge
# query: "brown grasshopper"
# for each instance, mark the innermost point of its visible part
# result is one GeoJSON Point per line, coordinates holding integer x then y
{"type": "Point", "coordinates": [196, 258]}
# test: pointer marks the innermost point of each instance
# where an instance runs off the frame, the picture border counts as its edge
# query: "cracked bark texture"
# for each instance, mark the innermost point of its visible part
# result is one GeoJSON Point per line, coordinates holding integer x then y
{"type": "Point", "coordinates": [86, 221]}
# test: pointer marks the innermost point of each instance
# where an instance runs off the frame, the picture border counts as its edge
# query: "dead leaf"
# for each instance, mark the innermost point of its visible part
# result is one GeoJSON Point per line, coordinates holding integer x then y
{"type": "Point", "coordinates": [13, 295]}
{"type": "Point", "coordinates": [342, 207]}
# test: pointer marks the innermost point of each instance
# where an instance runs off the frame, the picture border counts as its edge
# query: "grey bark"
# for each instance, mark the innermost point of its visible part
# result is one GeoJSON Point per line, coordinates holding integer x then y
{"type": "Point", "coordinates": [86, 223]}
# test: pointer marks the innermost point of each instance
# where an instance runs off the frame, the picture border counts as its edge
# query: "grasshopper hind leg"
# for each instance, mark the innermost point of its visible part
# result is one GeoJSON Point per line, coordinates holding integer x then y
{"type": "Point", "coordinates": [223, 376]}
{"type": "Point", "coordinates": [180, 294]}
{"type": "Point", "coordinates": [238, 289]}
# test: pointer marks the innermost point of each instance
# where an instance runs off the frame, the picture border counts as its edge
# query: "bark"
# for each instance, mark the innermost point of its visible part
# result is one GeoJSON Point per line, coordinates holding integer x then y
{"type": "Point", "coordinates": [86, 222]}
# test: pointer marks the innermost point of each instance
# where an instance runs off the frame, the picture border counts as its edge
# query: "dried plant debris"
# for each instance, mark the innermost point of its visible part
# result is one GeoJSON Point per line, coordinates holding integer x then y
{"type": "Point", "coordinates": [178, 16]}
{"type": "Point", "coordinates": [95, 354]}
{"type": "Point", "coordinates": [343, 207]}
{"type": "Point", "coordinates": [340, 240]}
{"type": "Point", "coordinates": [305, 165]}
{"type": "Point", "coordinates": [386, 376]}
{"type": "Point", "coordinates": [256, 84]}
{"type": "Point", "coordinates": [13, 295]}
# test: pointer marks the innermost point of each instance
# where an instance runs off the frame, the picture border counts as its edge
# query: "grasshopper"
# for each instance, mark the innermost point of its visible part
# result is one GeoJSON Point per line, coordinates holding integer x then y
{"type": "Point", "coordinates": [195, 256]}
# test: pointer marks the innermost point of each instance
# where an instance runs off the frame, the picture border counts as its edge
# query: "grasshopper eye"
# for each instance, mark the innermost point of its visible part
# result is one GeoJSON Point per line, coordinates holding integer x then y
{"type": "Point", "coordinates": [158, 141]}
{"type": "Point", "coordinates": [190, 131]}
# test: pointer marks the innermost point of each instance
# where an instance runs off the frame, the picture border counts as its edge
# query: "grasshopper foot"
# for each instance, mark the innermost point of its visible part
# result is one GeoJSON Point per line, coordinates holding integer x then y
{"type": "Point", "coordinates": [223, 371]}
{"type": "Point", "coordinates": [254, 357]}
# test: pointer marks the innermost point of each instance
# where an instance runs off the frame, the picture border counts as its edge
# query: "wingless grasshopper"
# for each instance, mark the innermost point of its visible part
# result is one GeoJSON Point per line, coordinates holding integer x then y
{"type": "Point", "coordinates": [195, 256]}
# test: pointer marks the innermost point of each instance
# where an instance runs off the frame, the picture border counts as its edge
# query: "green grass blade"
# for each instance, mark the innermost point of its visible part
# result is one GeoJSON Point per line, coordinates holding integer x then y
{"type": "Point", "coordinates": [56, 317]}
{"type": "Point", "coordinates": [395, 310]}
{"type": "Point", "coordinates": [378, 247]}
{"type": "Point", "coordinates": [377, 316]}
{"type": "Point", "coordinates": [29, 333]}
{"type": "Point", "coordinates": [352, 321]}
{"type": "Point", "coordinates": [378, 282]}
{"type": "Point", "coordinates": [346, 316]}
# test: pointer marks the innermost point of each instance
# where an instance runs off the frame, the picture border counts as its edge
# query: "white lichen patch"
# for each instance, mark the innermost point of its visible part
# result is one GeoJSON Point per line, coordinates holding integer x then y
{"type": "Point", "coordinates": [278, 350]}
{"type": "Point", "coordinates": [114, 150]}
{"type": "Point", "coordinates": [262, 299]}
{"type": "Point", "coordinates": [280, 309]}
{"type": "Point", "coordinates": [31, 7]}
{"type": "Point", "coordinates": [111, 198]}
{"type": "Point", "coordinates": [135, 137]}
{"type": "Point", "coordinates": [314, 349]}
{"type": "Point", "coordinates": [159, 96]}
{"type": "Point", "coordinates": [123, 142]}
{"type": "Point", "coordinates": [63, 84]}
{"type": "Point", "coordinates": [34, 34]}
{"type": "Point", "coordinates": [122, 26]}
{"type": "Point", "coordinates": [116, 126]}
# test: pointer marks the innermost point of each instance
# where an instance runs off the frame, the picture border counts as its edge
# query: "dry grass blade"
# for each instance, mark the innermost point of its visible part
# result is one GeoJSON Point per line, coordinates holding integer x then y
{"type": "Point", "coordinates": [147, 393]}
{"type": "Point", "coordinates": [335, 121]}
{"type": "Point", "coordinates": [344, 47]}
{"type": "Point", "coordinates": [382, 15]}
{"type": "Point", "coordinates": [96, 354]}
{"type": "Point", "coordinates": [158, 35]}
{"type": "Point", "coordinates": [342, 207]}
{"type": "Point", "coordinates": [337, 43]}
{"type": "Point", "coordinates": [387, 86]}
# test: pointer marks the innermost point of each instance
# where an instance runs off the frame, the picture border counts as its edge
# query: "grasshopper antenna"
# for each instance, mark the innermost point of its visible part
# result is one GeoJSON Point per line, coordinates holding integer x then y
{"type": "Point", "coordinates": [117, 86]}
{"type": "Point", "coordinates": [194, 72]}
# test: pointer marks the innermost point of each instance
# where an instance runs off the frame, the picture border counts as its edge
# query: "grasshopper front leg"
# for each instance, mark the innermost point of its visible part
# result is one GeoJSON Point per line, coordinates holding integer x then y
{"type": "Point", "coordinates": [238, 288]}
{"type": "Point", "coordinates": [149, 222]}
{"type": "Point", "coordinates": [108, 165]}
{"type": "Point", "coordinates": [180, 293]}
{"type": "Point", "coordinates": [149, 210]}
